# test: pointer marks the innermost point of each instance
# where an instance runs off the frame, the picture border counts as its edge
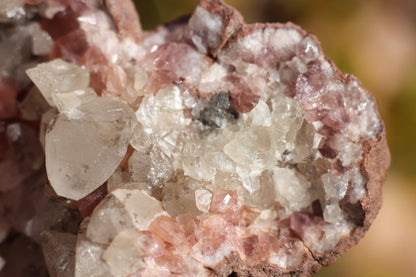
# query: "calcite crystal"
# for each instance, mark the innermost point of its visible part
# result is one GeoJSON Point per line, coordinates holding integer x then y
{"type": "Point", "coordinates": [208, 147]}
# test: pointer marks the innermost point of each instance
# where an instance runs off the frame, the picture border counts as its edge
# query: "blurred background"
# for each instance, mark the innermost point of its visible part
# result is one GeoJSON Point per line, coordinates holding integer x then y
{"type": "Point", "coordinates": [374, 40]}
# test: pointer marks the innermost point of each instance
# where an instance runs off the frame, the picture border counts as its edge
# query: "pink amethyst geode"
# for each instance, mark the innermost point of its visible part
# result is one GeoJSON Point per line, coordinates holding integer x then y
{"type": "Point", "coordinates": [208, 147]}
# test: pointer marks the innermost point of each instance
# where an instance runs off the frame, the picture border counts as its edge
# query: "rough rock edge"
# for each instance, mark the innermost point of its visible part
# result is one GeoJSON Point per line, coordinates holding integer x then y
{"type": "Point", "coordinates": [234, 266]}
{"type": "Point", "coordinates": [232, 19]}
{"type": "Point", "coordinates": [373, 165]}
{"type": "Point", "coordinates": [126, 18]}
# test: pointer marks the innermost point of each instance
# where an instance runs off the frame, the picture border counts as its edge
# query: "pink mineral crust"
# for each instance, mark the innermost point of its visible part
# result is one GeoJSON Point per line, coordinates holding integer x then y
{"type": "Point", "coordinates": [238, 149]}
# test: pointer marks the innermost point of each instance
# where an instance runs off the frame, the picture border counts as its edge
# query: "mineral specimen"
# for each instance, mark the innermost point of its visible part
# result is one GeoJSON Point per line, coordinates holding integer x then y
{"type": "Point", "coordinates": [208, 147]}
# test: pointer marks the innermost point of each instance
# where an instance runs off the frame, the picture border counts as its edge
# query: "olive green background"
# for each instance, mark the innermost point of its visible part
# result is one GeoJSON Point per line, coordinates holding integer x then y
{"type": "Point", "coordinates": [374, 40]}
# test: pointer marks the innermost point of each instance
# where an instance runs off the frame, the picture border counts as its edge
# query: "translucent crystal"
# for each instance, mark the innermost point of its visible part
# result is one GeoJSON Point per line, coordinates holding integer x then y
{"type": "Point", "coordinates": [44, 123]}
{"type": "Point", "coordinates": [308, 49]}
{"type": "Point", "coordinates": [89, 262]}
{"type": "Point", "coordinates": [333, 213]}
{"type": "Point", "coordinates": [141, 207]}
{"type": "Point", "coordinates": [88, 256]}
{"type": "Point", "coordinates": [287, 119]}
{"type": "Point", "coordinates": [251, 148]}
{"type": "Point", "coordinates": [160, 167]}
{"type": "Point", "coordinates": [335, 188]}
{"type": "Point", "coordinates": [251, 183]}
{"type": "Point", "coordinates": [41, 41]}
{"type": "Point", "coordinates": [265, 219]}
{"type": "Point", "coordinates": [264, 196]}
{"type": "Point", "coordinates": [124, 255]}
{"type": "Point", "coordinates": [59, 251]}
{"type": "Point", "coordinates": [260, 115]}
{"type": "Point", "coordinates": [291, 188]}
{"type": "Point", "coordinates": [163, 111]}
{"type": "Point", "coordinates": [140, 78]}
{"type": "Point", "coordinates": [180, 199]}
{"type": "Point", "coordinates": [198, 169]}
{"type": "Point", "coordinates": [81, 154]}
{"type": "Point", "coordinates": [108, 219]}
{"type": "Point", "coordinates": [203, 200]}
{"type": "Point", "coordinates": [168, 229]}
{"type": "Point", "coordinates": [142, 139]}
{"type": "Point", "coordinates": [69, 102]}
{"type": "Point", "coordinates": [153, 168]}
{"type": "Point", "coordinates": [58, 76]}
{"type": "Point", "coordinates": [139, 167]}
{"type": "Point", "coordinates": [303, 150]}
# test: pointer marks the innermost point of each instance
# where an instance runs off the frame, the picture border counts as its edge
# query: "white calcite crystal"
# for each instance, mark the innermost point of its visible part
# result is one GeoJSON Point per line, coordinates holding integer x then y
{"type": "Point", "coordinates": [58, 76]}
{"type": "Point", "coordinates": [203, 199]}
{"type": "Point", "coordinates": [69, 102]}
{"type": "Point", "coordinates": [99, 135]}
{"type": "Point", "coordinates": [124, 254]}
{"type": "Point", "coordinates": [141, 207]}
{"type": "Point", "coordinates": [207, 147]}
{"type": "Point", "coordinates": [41, 41]}
{"type": "Point", "coordinates": [88, 256]}
{"type": "Point", "coordinates": [112, 214]}
{"type": "Point", "coordinates": [89, 260]}
{"type": "Point", "coordinates": [291, 189]}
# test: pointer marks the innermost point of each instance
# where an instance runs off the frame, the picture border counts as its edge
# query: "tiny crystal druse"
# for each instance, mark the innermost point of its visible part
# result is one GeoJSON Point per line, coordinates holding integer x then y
{"type": "Point", "coordinates": [218, 146]}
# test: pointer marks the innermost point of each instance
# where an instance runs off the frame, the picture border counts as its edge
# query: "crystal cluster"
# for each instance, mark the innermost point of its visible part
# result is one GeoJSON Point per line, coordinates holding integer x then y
{"type": "Point", "coordinates": [208, 147]}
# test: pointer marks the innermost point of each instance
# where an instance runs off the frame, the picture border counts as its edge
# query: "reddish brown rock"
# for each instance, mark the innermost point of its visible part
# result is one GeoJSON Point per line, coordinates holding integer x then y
{"type": "Point", "coordinates": [8, 99]}
{"type": "Point", "coordinates": [126, 18]}
{"type": "Point", "coordinates": [87, 204]}
{"type": "Point", "coordinates": [71, 47]}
